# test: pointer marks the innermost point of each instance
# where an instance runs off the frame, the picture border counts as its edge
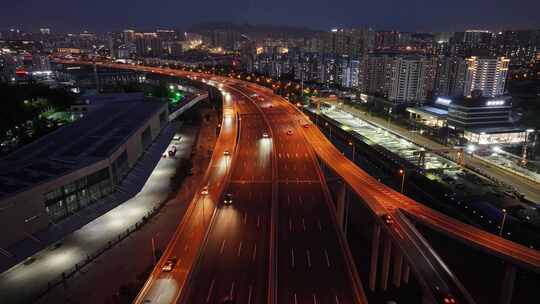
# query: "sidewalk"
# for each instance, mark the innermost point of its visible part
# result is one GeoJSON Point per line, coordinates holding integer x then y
{"type": "Point", "coordinates": [122, 266]}
{"type": "Point", "coordinates": [49, 264]}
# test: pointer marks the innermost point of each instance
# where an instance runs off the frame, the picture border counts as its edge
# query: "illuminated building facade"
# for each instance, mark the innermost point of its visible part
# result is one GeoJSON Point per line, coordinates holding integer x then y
{"type": "Point", "coordinates": [487, 75]}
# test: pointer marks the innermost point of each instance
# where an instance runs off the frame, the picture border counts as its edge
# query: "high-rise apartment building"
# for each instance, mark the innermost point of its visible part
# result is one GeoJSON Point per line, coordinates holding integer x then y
{"type": "Point", "coordinates": [519, 46]}
{"type": "Point", "coordinates": [148, 44]}
{"type": "Point", "coordinates": [350, 72]}
{"type": "Point", "coordinates": [128, 36]}
{"type": "Point", "coordinates": [350, 42]}
{"type": "Point", "coordinates": [376, 74]}
{"type": "Point", "coordinates": [450, 76]}
{"type": "Point", "coordinates": [412, 78]}
{"type": "Point", "coordinates": [487, 75]}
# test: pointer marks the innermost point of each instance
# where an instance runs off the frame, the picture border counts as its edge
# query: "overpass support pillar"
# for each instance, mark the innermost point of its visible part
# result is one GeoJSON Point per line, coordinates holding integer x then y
{"type": "Point", "coordinates": [342, 206]}
{"type": "Point", "coordinates": [387, 254]}
{"type": "Point", "coordinates": [406, 273]}
{"type": "Point", "coordinates": [398, 263]}
{"type": "Point", "coordinates": [508, 284]}
{"type": "Point", "coordinates": [374, 256]}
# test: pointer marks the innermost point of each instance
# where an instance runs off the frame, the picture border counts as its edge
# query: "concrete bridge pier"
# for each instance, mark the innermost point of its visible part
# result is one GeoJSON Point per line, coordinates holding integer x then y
{"type": "Point", "coordinates": [508, 284]}
{"type": "Point", "coordinates": [342, 209]}
{"type": "Point", "coordinates": [384, 257]}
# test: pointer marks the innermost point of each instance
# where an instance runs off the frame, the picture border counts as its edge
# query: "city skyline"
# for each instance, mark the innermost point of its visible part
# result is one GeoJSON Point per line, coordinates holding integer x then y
{"type": "Point", "coordinates": [415, 15]}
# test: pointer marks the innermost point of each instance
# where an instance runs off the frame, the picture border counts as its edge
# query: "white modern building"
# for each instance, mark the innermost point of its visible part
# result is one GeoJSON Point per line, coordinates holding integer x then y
{"type": "Point", "coordinates": [78, 164]}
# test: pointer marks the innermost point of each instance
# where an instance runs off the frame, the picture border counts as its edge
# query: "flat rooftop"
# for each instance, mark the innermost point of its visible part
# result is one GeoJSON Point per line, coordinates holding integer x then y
{"type": "Point", "coordinates": [88, 140]}
{"type": "Point", "coordinates": [429, 111]}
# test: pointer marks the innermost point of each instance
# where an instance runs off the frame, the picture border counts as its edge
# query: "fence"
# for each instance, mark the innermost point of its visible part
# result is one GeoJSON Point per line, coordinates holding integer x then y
{"type": "Point", "coordinates": [62, 279]}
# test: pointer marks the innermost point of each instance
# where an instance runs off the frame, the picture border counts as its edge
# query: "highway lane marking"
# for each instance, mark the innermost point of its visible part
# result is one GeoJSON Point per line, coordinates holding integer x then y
{"type": "Point", "coordinates": [254, 254]}
{"type": "Point", "coordinates": [304, 224]}
{"type": "Point", "coordinates": [308, 258]}
{"type": "Point", "coordinates": [232, 290]}
{"type": "Point", "coordinates": [315, 301]}
{"type": "Point", "coordinates": [319, 224]}
{"type": "Point", "coordinates": [327, 258]}
{"type": "Point", "coordinates": [245, 217]}
{"type": "Point", "coordinates": [292, 258]}
{"type": "Point", "coordinates": [290, 225]}
{"type": "Point", "coordinates": [222, 247]}
{"type": "Point", "coordinates": [258, 221]}
{"type": "Point", "coordinates": [240, 248]}
{"type": "Point", "coordinates": [210, 290]}
{"type": "Point", "coordinates": [295, 298]}
{"type": "Point", "coordinates": [249, 294]}
{"type": "Point", "coordinates": [337, 299]}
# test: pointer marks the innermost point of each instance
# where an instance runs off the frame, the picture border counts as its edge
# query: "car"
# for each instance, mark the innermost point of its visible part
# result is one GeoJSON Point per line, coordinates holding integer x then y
{"type": "Point", "coordinates": [226, 153]}
{"type": "Point", "coordinates": [227, 300]}
{"type": "Point", "coordinates": [204, 190]}
{"type": "Point", "coordinates": [169, 264]}
{"type": "Point", "coordinates": [449, 300]}
{"type": "Point", "coordinates": [228, 199]}
{"type": "Point", "coordinates": [289, 132]}
{"type": "Point", "coordinates": [388, 219]}
{"type": "Point", "coordinates": [265, 135]}
{"type": "Point", "coordinates": [177, 137]}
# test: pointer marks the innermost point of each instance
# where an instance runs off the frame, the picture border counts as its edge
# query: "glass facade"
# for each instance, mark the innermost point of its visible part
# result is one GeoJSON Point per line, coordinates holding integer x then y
{"type": "Point", "coordinates": [146, 137]}
{"type": "Point", "coordinates": [70, 198]}
{"type": "Point", "coordinates": [120, 167]}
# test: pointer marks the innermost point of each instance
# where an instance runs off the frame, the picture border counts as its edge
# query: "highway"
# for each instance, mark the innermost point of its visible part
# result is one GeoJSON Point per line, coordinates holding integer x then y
{"type": "Point", "coordinates": [309, 246]}
{"type": "Point", "coordinates": [234, 262]}
{"type": "Point", "coordinates": [166, 287]}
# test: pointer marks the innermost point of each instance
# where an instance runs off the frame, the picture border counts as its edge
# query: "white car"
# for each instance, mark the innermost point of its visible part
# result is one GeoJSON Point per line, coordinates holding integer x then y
{"type": "Point", "coordinates": [204, 190]}
{"type": "Point", "coordinates": [169, 264]}
{"type": "Point", "coordinates": [265, 135]}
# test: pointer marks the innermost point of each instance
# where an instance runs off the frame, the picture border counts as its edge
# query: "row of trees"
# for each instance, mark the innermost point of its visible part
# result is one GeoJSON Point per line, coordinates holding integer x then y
{"type": "Point", "coordinates": [23, 107]}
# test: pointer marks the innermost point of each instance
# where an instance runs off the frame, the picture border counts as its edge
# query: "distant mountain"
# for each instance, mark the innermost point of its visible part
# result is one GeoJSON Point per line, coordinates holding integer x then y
{"type": "Point", "coordinates": [254, 31]}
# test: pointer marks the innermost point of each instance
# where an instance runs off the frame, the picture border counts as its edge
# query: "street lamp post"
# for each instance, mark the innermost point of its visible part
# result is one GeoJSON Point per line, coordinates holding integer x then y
{"type": "Point", "coordinates": [154, 250]}
{"type": "Point", "coordinates": [353, 150]}
{"type": "Point", "coordinates": [502, 222]}
{"type": "Point", "coordinates": [402, 173]}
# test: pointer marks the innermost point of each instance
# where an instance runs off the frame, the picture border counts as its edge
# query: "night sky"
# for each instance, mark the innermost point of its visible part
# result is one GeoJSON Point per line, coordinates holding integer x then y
{"type": "Point", "coordinates": [411, 15]}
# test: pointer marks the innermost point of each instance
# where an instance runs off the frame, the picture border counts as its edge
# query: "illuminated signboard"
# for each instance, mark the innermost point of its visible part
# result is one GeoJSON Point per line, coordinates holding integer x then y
{"type": "Point", "coordinates": [495, 103]}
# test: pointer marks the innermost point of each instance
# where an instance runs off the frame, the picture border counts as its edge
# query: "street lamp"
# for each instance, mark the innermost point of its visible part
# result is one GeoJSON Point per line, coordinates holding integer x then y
{"type": "Point", "coordinates": [154, 248]}
{"type": "Point", "coordinates": [502, 222]}
{"type": "Point", "coordinates": [353, 149]}
{"type": "Point", "coordinates": [402, 173]}
{"type": "Point", "coordinates": [205, 194]}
